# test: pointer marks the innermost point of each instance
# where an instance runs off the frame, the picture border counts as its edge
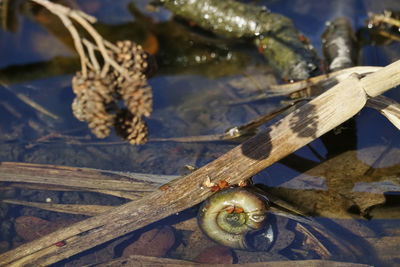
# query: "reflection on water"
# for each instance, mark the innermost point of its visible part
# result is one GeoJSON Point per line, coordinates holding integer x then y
{"type": "Point", "coordinates": [200, 77]}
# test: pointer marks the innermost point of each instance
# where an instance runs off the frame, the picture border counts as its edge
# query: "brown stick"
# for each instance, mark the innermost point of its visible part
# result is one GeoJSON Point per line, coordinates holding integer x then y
{"type": "Point", "coordinates": [88, 210]}
{"type": "Point", "coordinates": [80, 178]}
{"type": "Point", "coordinates": [284, 137]}
{"type": "Point", "coordinates": [59, 178]}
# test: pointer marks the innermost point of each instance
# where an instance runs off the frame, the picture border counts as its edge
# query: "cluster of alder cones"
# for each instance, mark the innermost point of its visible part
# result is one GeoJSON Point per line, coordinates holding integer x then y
{"type": "Point", "coordinates": [97, 98]}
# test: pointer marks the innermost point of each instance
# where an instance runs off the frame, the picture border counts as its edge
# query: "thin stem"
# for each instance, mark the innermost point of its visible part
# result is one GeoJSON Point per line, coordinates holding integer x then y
{"type": "Point", "coordinates": [84, 20]}
{"type": "Point", "coordinates": [88, 17]}
{"type": "Point", "coordinates": [111, 46]}
{"type": "Point", "coordinates": [100, 43]}
{"type": "Point", "coordinates": [77, 42]}
{"type": "Point", "coordinates": [92, 56]}
{"type": "Point", "coordinates": [60, 11]}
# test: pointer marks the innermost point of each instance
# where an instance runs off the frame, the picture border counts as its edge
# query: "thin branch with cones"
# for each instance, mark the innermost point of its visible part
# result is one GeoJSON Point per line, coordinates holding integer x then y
{"type": "Point", "coordinates": [100, 86]}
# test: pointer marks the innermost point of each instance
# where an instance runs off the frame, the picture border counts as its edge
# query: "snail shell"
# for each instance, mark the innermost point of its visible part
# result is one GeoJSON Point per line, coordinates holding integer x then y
{"type": "Point", "coordinates": [229, 216]}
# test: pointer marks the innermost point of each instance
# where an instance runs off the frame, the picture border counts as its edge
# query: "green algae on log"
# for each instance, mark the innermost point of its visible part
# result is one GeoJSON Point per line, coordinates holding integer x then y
{"type": "Point", "coordinates": [275, 35]}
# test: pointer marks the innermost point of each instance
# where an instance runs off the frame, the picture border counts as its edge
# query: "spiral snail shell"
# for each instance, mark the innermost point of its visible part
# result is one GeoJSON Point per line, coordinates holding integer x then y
{"type": "Point", "coordinates": [231, 216]}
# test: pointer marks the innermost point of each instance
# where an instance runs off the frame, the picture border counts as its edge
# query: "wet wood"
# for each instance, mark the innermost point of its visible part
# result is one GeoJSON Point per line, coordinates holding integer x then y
{"type": "Point", "coordinates": [79, 178]}
{"type": "Point", "coordinates": [122, 194]}
{"type": "Point", "coordinates": [88, 210]}
{"type": "Point", "coordinates": [292, 132]}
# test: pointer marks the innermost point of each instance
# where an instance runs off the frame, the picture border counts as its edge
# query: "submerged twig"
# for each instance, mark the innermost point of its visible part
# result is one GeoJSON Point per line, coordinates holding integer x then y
{"type": "Point", "coordinates": [88, 210]}
{"type": "Point", "coordinates": [236, 133]}
{"type": "Point", "coordinates": [33, 104]}
{"type": "Point", "coordinates": [116, 193]}
{"type": "Point", "coordinates": [79, 178]}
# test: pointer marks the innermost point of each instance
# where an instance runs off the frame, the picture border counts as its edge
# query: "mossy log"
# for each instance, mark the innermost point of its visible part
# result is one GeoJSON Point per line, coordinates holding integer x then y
{"type": "Point", "coordinates": [275, 35]}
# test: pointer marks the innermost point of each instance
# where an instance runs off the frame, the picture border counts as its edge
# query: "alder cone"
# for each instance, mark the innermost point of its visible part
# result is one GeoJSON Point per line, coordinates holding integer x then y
{"type": "Point", "coordinates": [131, 127]}
{"type": "Point", "coordinates": [138, 97]}
{"type": "Point", "coordinates": [135, 91]}
{"type": "Point", "coordinates": [93, 95]}
{"type": "Point", "coordinates": [97, 97]}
